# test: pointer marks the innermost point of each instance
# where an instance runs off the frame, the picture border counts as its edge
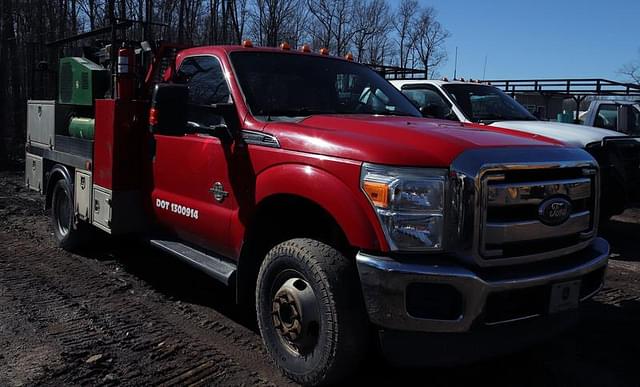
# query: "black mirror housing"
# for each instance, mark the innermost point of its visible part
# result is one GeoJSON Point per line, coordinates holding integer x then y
{"type": "Point", "coordinates": [432, 111]}
{"type": "Point", "coordinates": [169, 105]}
{"type": "Point", "coordinates": [228, 112]}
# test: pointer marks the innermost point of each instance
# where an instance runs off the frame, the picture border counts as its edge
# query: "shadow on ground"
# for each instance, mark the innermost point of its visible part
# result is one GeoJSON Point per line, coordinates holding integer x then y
{"type": "Point", "coordinates": [599, 351]}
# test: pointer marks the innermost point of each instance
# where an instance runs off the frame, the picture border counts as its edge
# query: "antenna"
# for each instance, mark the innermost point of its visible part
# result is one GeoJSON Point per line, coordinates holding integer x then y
{"type": "Point", "coordinates": [484, 71]}
{"type": "Point", "coordinates": [455, 68]}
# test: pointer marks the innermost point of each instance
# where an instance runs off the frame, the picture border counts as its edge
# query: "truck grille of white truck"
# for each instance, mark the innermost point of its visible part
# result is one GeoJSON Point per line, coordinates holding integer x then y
{"type": "Point", "coordinates": [513, 228]}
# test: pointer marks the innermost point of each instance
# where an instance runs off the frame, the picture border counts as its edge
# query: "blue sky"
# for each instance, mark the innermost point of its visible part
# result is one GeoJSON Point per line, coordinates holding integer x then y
{"type": "Point", "coordinates": [540, 38]}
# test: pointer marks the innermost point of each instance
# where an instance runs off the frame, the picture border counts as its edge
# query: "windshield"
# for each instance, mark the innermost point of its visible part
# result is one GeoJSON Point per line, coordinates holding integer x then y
{"type": "Point", "coordinates": [278, 85]}
{"type": "Point", "coordinates": [487, 104]}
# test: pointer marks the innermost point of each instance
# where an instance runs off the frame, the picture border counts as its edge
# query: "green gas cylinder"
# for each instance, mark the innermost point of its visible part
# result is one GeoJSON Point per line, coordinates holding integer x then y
{"type": "Point", "coordinates": [82, 128]}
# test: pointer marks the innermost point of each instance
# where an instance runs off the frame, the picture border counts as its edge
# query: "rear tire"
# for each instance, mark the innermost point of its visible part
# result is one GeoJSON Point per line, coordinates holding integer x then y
{"type": "Point", "coordinates": [310, 312]}
{"type": "Point", "coordinates": [69, 235]}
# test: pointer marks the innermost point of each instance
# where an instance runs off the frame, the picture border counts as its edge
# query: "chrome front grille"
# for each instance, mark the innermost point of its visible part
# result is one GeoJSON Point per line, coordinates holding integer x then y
{"type": "Point", "coordinates": [511, 227]}
{"type": "Point", "coordinates": [495, 195]}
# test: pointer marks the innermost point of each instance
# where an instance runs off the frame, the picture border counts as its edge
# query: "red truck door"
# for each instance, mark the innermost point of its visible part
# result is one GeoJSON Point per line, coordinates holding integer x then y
{"type": "Point", "coordinates": [191, 187]}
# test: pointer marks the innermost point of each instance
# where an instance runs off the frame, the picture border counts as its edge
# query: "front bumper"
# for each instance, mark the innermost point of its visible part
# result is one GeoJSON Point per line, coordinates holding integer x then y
{"type": "Point", "coordinates": [484, 295]}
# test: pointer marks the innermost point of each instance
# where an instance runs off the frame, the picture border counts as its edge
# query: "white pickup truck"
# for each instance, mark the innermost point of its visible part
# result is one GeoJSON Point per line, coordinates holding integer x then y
{"type": "Point", "coordinates": [621, 116]}
{"type": "Point", "coordinates": [617, 153]}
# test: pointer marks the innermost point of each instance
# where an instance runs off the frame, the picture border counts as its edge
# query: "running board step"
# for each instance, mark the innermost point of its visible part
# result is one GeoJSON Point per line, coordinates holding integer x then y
{"type": "Point", "coordinates": [216, 267]}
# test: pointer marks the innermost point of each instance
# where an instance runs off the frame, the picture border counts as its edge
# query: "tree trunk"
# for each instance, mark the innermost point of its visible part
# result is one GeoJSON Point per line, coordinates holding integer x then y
{"type": "Point", "coordinates": [92, 14]}
{"type": "Point", "coordinates": [74, 18]}
{"type": "Point", "coordinates": [17, 96]}
{"type": "Point", "coordinates": [181, 21]}
{"type": "Point", "coordinates": [5, 12]}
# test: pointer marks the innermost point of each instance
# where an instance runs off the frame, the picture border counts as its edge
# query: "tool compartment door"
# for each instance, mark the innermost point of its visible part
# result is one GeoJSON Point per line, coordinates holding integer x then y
{"type": "Point", "coordinates": [41, 123]}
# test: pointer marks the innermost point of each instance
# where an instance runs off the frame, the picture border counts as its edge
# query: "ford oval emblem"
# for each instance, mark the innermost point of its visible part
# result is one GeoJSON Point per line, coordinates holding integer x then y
{"type": "Point", "coordinates": [554, 211]}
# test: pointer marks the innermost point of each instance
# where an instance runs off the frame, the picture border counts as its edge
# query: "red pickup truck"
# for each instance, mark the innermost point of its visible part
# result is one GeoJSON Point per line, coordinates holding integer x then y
{"type": "Point", "coordinates": [315, 189]}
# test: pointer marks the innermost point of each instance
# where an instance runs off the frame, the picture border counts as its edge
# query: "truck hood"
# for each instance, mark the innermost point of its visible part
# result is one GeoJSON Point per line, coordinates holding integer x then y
{"type": "Point", "coordinates": [568, 134]}
{"type": "Point", "coordinates": [394, 140]}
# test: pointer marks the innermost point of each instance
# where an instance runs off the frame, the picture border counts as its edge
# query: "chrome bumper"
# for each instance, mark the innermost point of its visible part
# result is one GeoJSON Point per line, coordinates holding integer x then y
{"type": "Point", "coordinates": [384, 283]}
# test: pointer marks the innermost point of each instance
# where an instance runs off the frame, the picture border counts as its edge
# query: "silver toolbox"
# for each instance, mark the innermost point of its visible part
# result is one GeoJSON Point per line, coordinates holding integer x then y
{"type": "Point", "coordinates": [33, 172]}
{"type": "Point", "coordinates": [83, 190]}
{"type": "Point", "coordinates": [41, 123]}
{"type": "Point", "coordinates": [102, 208]}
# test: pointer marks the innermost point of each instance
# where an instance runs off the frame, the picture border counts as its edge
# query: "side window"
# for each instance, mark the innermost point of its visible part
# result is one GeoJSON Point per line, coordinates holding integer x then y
{"type": "Point", "coordinates": [356, 93]}
{"type": "Point", "coordinates": [634, 120]}
{"type": "Point", "coordinates": [431, 103]}
{"type": "Point", "coordinates": [207, 86]}
{"type": "Point", "coordinates": [607, 117]}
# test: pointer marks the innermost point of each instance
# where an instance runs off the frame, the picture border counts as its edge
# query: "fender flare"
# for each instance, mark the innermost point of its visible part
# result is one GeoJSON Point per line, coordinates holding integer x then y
{"type": "Point", "coordinates": [345, 206]}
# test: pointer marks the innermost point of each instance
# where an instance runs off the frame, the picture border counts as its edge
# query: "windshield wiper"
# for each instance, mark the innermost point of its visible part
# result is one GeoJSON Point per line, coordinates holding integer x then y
{"type": "Point", "coordinates": [299, 112]}
{"type": "Point", "coordinates": [393, 113]}
{"type": "Point", "coordinates": [491, 120]}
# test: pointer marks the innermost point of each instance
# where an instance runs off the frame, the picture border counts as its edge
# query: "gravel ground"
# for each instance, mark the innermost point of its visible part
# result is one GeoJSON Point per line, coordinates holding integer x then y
{"type": "Point", "coordinates": [125, 314]}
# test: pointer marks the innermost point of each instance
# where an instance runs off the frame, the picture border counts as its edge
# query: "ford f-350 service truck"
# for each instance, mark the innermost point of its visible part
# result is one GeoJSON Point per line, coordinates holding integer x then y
{"type": "Point", "coordinates": [314, 188]}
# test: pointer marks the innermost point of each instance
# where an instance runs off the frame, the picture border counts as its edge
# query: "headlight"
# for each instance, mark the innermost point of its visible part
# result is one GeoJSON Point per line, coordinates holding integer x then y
{"type": "Point", "coordinates": [409, 203]}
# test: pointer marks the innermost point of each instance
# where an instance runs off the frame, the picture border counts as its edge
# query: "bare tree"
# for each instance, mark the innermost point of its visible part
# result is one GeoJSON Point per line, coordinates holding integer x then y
{"type": "Point", "coordinates": [631, 71]}
{"type": "Point", "coordinates": [428, 37]}
{"type": "Point", "coordinates": [403, 21]}
{"type": "Point", "coordinates": [274, 21]}
{"type": "Point", "coordinates": [380, 49]}
{"type": "Point", "coordinates": [5, 130]}
{"type": "Point", "coordinates": [296, 30]}
{"type": "Point", "coordinates": [371, 19]}
{"type": "Point", "coordinates": [333, 23]}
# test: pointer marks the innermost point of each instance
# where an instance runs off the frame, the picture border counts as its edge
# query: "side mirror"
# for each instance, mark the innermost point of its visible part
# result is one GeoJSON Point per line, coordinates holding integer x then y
{"type": "Point", "coordinates": [229, 112]}
{"type": "Point", "coordinates": [432, 111]}
{"type": "Point", "coordinates": [623, 118]}
{"type": "Point", "coordinates": [213, 116]}
{"type": "Point", "coordinates": [169, 105]}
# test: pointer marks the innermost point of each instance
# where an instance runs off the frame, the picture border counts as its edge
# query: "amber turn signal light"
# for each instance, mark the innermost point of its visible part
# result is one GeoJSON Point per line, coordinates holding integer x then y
{"type": "Point", "coordinates": [378, 193]}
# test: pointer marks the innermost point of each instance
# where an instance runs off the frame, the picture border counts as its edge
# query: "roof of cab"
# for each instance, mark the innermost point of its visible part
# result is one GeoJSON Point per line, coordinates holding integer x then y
{"type": "Point", "coordinates": [238, 48]}
{"type": "Point", "coordinates": [438, 82]}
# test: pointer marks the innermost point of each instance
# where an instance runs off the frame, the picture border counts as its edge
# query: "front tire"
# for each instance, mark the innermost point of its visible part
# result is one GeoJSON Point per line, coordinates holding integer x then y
{"type": "Point", "coordinates": [310, 312]}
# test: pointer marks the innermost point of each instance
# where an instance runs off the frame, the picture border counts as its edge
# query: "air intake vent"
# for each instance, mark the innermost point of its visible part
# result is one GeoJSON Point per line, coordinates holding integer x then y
{"type": "Point", "coordinates": [84, 81]}
{"type": "Point", "coordinates": [66, 82]}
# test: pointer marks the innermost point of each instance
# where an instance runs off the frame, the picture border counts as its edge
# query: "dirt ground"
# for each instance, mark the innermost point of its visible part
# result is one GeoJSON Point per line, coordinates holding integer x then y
{"type": "Point", "coordinates": [125, 314]}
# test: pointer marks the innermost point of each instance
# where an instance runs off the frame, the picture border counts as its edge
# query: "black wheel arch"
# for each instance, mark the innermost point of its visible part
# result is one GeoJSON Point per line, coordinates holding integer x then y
{"type": "Point", "coordinates": [275, 220]}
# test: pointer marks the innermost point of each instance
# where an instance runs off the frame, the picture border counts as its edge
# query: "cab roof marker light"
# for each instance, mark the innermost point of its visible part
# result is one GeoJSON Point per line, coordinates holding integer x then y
{"type": "Point", "coordinates": [247, 43]}
{"type": "Point", "coordinates": [349, 57]}
{"type": "Point", "coordinates": [285, 46]}
{"type": "Point", "coordinates": [324, 51]}
{"type": "Point", "coordinates": [305, 48]}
